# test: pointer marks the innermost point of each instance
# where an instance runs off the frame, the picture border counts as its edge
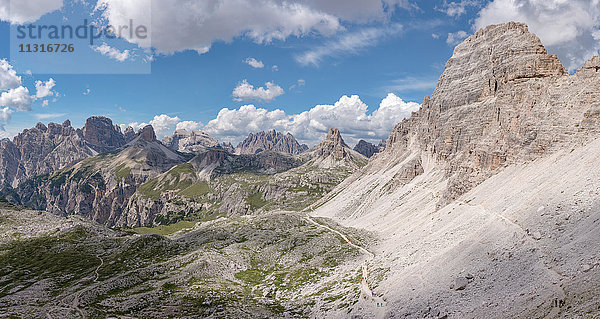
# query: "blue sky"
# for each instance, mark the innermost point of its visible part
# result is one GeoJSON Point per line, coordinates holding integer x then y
{"type": "Point", "coordinates": [398, 47]}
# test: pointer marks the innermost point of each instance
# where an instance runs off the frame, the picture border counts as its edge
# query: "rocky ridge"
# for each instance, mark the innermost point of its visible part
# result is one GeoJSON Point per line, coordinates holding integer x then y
{"type": "Point", "coordinates": [45, 149]}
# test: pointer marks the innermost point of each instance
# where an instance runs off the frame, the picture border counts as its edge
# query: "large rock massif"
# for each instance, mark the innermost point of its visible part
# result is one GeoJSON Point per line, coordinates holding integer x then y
{"type": "Point", "coordinates": [190, 142]}
{"type": "Point", "coordinates": [45, 149]}
{"type": "Point", "coordinates": [270, 141]}
{"type": "Point", "coordinates": [485, 198]}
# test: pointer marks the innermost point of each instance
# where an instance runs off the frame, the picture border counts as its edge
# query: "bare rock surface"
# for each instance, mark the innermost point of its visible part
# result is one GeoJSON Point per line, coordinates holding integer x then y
{"type": "Point", "coordinates": [270, 141]}
{"type": "Point", "coordinates": [494, 176]}
{"type": "Point", "coordinates": [190, 142]}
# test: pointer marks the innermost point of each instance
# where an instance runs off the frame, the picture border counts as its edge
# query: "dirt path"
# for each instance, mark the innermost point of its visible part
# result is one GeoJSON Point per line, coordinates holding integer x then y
{"type": "Point", "coordinates": [366, 290]}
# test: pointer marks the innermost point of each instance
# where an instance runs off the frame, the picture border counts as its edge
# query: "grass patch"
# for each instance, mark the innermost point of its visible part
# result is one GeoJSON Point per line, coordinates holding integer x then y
{"type": "Point", "coordinates": [165, 229]}
{"type": "Point", "coordinates": [196, 190]}
{"type": "Point", "coordinates": [256, 201]}
{"type": "Point", "coordinates": [121, 172]}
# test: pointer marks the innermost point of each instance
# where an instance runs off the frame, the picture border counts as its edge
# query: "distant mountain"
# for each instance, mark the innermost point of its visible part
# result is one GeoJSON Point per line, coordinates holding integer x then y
{"type": "Point", "coordinates": [334, 152]}
{"type": "Point", "coordinates": [190, 142]}
{"type": "Point", "coordinates": [270, 141]}
{"type": "Point", "coordinates": [365, 148]}
{"type": "Point", "coordinates": [45, 149]}
{"type": "Point", "coordinates": [228, 147]}
{"type": "Point", "coordinates": [101, 187]}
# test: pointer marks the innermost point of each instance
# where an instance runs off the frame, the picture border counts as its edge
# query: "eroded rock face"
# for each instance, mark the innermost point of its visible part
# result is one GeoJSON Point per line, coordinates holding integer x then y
{"type": "Point", "coordinates": [365, 148]}
{"type": "Point", "coordinates": [190, 142]}
{"type": "Point", "coordinates": [101, 135]}
{"type": "Point", "coordinates": [45, 149]}
{"type": "Point", "coordinates": [501, 99]}
{"type": "Point", "coordinates": [270, 141]}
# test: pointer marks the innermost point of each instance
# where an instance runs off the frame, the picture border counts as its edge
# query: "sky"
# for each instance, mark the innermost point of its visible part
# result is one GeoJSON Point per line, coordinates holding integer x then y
{"type": "Point", "coordinates": [232, 67]}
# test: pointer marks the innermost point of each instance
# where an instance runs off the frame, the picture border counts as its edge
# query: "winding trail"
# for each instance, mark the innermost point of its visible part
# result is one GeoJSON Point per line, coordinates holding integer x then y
{"type": "Point", "coordinates": [366, 290]}
{"type": "Point", "coordinates": [98, 268]}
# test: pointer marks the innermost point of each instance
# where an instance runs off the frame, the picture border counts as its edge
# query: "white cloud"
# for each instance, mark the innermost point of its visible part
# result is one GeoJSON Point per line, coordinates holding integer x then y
{"type": "Point", "coordinates": [8, 76]}
{"type": "Point", "coordinates": [349, 114]}
{"type": "Point", "coordinates": [45, 103]}
{"type": "Point", "coordinates": [18, 98]}
{"type": "Point", "coordinates": [24, 11]}
{"type": "Point", "coordinates": [455, 38]}
{"type": "Point", "coordinates": [246, 92]}
{"type": "Point", "coordinates": [163, 125]}
{"type": "Point", "coordinates": [570, 29]}
{"type": "Point", "coordinates": [456, 9]}
{"type": "Point", "coordinates": [275, 68]}
{"type": "Point", "coordinates": [4, 117]}
{"type": "Point", "coordinates": [179, 25]}
{"type": "Point", "coordinates": [189, 126]}
{"type": "Point", "coordinates": [254, 63]}
{"type": "Point", "coordinates": [299, 83]}
{"type": "Point", "coordinates": [411, 84]}
{"type": "Point", "coordinates": [45, 116]}
{"type": "Point", "coordinates": [87, 91]}
{"type": "Point", "coordinates": [349, 43]}
{"type": "Point", "coordinates": [44, 89]}
{"type": "Point", "coordinates": [113, 53]}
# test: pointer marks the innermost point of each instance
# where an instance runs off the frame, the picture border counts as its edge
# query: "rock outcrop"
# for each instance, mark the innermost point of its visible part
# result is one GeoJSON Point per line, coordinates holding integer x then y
{"type": "Point", "coordinates": [270, 141]}
{"type": "Point", "coordinates": [334, 152]}
{"type": "Point", "coordinates": [190, 142]}
{"type": "Point", "coordinates": [365, 148]}
{"type": "Point", "coordinates": [101, 135]}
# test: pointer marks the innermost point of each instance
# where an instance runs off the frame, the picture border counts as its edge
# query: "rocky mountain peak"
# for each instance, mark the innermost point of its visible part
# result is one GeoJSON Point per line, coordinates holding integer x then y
{"type": "Point", "coordinates": [270, 141]}
{"type": "Point", "coordinates": [147, 134]}
{"type": "Point", "coordinates": [101, 134]}
{"type": "Point", "coordinates": [335, 136]}
{"type": "Point", "coordinates": [333, 152]}
{"type": "Point", "coordinates": [367, 149]}
{"type": "Point", "coordinates": [489, 59]}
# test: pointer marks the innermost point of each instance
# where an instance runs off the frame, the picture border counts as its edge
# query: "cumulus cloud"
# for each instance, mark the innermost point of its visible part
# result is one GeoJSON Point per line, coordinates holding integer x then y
{"type": "Point", "coordinates": [200, 23]}
{"type": "Point", "coordinates": [25, 11]}
{"type": "Point", "coordinates": [349, 114]}
{"type": "Point", "coordinates": [44, 89]}
{"type": "Point", "coordinates": [246, 92]}
{"type": "Point", "coordinates": [163, 125]}
{"type": "Point", "coordinates": [8, 76]}
{"type": "Point", "coordinates": [189, 126]}
{"type": "Point", "coordinates": [5, 114]}
{"type": "Point", "coordinates": [254, 63]}
{"type": "Point", "coordinates": [350, 43]}
{"type": "Point", "coordinates": [455, 38]}
{"type": "Point", "coordinates": [113, 53]}
{"type": "Point", "coordinates": [570, 29]}
{"type": "Point", "coordinates": [18, 98]}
